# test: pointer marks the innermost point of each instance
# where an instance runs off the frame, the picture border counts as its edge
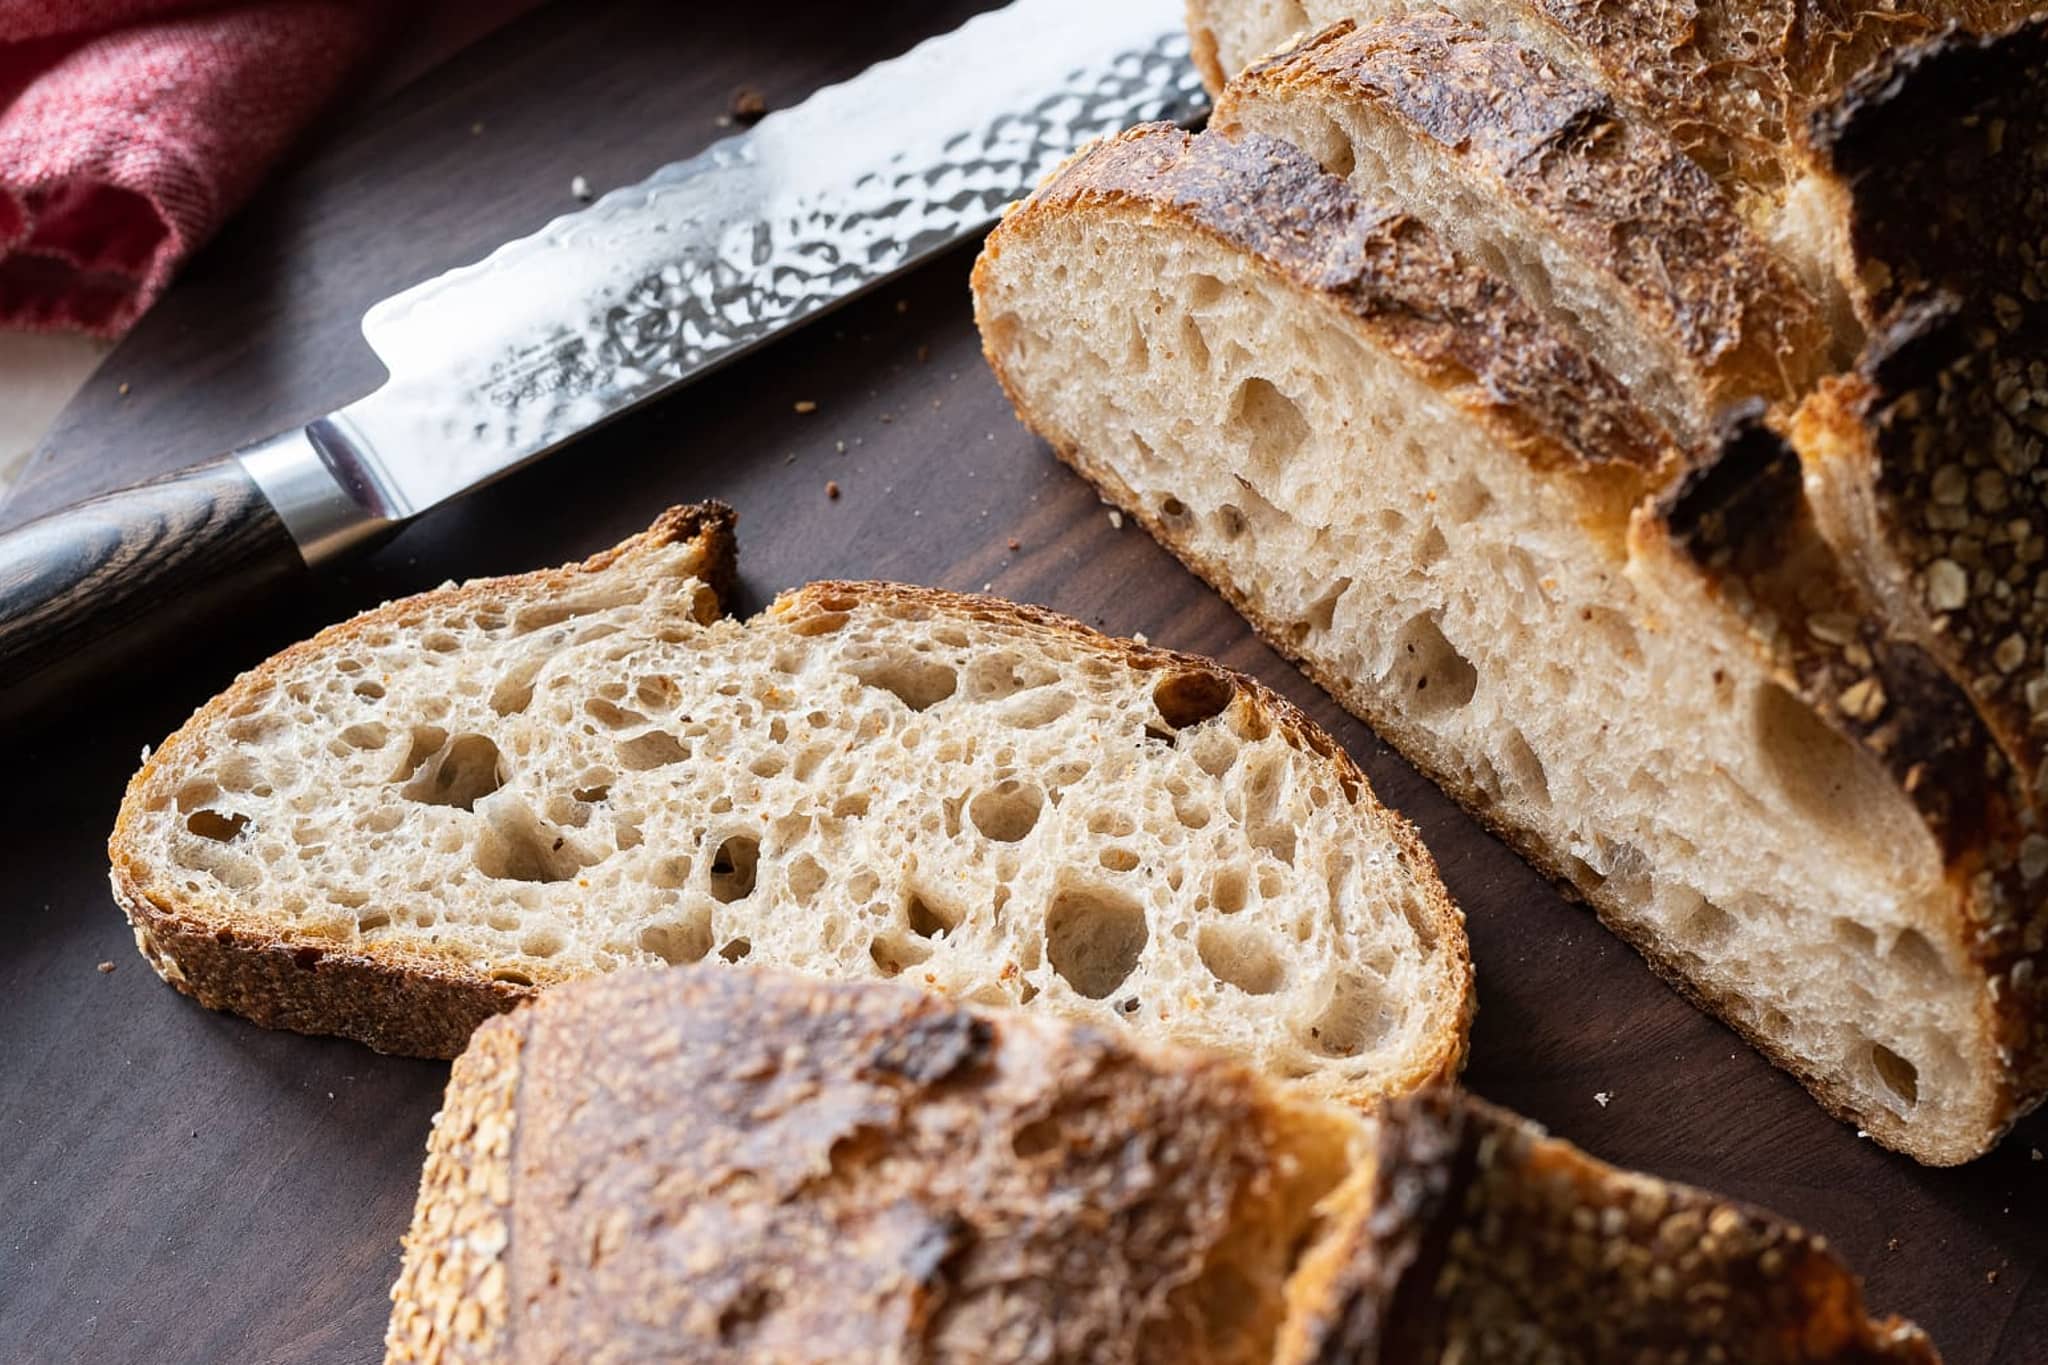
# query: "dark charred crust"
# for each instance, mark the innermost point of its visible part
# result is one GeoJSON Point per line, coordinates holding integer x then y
{"type": "Point", "coordinates": [707, 1163]}
{"type": "Point", "coordinates": [1460, 328]}
{"type": "Point", "coordinates": [1491, 1228]}
{"type": "Point", "coordinates": [1944, 154]}
{"type": "Point", "coordinates": [1619, 193]}
{"type": "Point", "coordinates": [936, 1049]}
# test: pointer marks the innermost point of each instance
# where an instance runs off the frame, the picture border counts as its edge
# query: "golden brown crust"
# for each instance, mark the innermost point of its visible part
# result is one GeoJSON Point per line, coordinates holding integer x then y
{"type": "Point", "coordinates": [398, 998]}
{"type": "Point", "coordinates": [449, 1303]}
{"type": "Point", "coordinates": [391, 995]}
{"type": "Point", "coordinates": [1458, 328]}
{"type": "Point", "coordinates": [727, 1164]}
{"type": "Point", "coordinates": [1618, 193]}
{"type": "Point", "coordinates": [1734, 84]}
{"type": "Point", "coordinates": [1487, 1241]}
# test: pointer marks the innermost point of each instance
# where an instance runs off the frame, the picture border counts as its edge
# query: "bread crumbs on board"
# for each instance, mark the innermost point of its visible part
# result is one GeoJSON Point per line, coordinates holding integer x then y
{"type": "Point", "coordinates": [832, 488]}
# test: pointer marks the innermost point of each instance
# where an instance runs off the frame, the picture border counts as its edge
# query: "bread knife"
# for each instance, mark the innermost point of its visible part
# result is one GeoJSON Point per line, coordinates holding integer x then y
{"type": "Point", "coordinates": [500, 363]}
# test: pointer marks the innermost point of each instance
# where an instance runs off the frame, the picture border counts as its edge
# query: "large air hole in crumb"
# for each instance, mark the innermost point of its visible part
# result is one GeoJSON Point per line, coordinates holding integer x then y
{"type": "Point", "coordinates": [1035, 709]}
{"type": "Point", "coordinates": [611, 715]}
{"type": "Point", "coordinates": [369, 736]}
{"type": "Point", "coordinates": [998, 675]}
{"type": "Point", "coordinates": [468, 769]}
{"type": "Point", "coordinates": [516, 846]}
{"type": "Point", "coordinates": [1429, 671]}
{"type": "Point", "coordinates": [1118, 859]}
{"type": "Point", "coordinates": [1228, 889]}
{"type": "Point", "coordinates": [426, 742]}
{"type": "Point", "coordinates": [928, 920]}
{"type": "Point", "coordinates": [805, 878]}
{"type": "Point", "coordinates": [1855, 937]}
{"type": "Point", "coordinates": [733, 868]}
{"type": "Point", "coordinates": [1007, 811]}
{"type": "Point", "coordinates": [736, 949]}
{"type": "Point", "coordinates": [1898, 1075]}
{"type": "Point", "coordinates": [1202, 291]}
{"type": "Point", "coordinates": [1834, 783]}
{"type": "Point", "coordinates": [1706, 925]}
{"type": "Point", "coordinates": [654, 749]}
{"type": "Point", "coordinates": [1189, 698]}
{"type": "Point", "coordinates": [1093, 938]}
{"type": "Point", "coordinates": [1269, 424]}
{"type": "Point", "coordinates": [1524, 769]}
{"type": "Point", "coordinates": [891, 953]}
{"type": "Point", "coordinates": [678, 942]}
{"type": "Point", "coordinates": [211, 824]}
{"type": "Point", "coordinates": [918, 683]}
{"type": "Point", "coordinates": [513, 692]}
{"type": "Point", "coordinates": [1914, 953]}
{"type": "Point", "coordinates": [1352, 1020]}
{"type": "Point", "coordinates": [1240, 956]}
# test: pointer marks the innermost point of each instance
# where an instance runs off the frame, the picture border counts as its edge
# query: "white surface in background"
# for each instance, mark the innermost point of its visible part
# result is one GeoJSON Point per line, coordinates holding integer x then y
{"type": "Point", "coordinates": [38, 375]}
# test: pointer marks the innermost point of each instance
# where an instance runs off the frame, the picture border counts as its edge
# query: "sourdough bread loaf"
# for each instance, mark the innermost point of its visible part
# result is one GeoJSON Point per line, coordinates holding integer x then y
{"type": "Point", "coordinates": [1643, 661]}
{"type": "Point", "coordinates": [716, 1165]}
{"type": "Point", "coordinates": [426, 814]}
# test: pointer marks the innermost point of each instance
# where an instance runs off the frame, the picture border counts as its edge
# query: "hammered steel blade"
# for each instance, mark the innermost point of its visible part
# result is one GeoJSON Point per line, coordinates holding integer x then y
{"type": "Point", "coordinates": [500, 362]}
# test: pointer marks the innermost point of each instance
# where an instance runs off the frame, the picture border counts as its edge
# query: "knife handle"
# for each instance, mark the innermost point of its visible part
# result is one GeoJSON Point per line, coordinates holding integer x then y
{"type": "Point", "coordinates": [85, 590]}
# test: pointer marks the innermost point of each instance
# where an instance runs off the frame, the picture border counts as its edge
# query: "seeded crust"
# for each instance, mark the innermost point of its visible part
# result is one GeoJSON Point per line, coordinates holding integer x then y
{"type": "Point", "coordinates": [742, 1165]}
{"type": "Point", "coordinates": [1621, 195]}
{"type": "Point", "coordinates": [1746, 524]}
{"type": "Point", "coordinates": [1488, 1241]}
{"type": "Point", "coordinates": [1463, 330]}
{"type": "Point", "coordinates": [745, 1165]}
{"type": "Point", "coordinates": [395, 1000]}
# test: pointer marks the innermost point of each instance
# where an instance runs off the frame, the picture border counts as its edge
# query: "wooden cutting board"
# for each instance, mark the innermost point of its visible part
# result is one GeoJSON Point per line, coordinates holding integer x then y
{"type": "Point", "coordinates": [181, 1186]}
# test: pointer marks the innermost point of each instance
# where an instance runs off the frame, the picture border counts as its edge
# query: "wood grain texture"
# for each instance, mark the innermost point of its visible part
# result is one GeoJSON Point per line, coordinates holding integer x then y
{"type": "Point", "coordinates": [99, 585]}
{"type": "Point", "coordinates": [180, 1186]}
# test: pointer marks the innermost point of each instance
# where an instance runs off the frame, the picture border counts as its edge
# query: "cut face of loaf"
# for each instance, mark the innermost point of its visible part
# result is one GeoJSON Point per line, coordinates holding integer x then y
{"type": "Point", "coordinates": [1599, 221]}
{"type": "Point", "coordinates": [1221, 337]}
{"type": "Point", "coordinates": [426, 814]}
{"type": "Point", "coordinates": [745, 1165]}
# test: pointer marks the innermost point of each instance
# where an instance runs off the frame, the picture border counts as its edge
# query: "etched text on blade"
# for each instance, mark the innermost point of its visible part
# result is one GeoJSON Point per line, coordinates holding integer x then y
{"type": "Point", "coordinates": [710, 256]}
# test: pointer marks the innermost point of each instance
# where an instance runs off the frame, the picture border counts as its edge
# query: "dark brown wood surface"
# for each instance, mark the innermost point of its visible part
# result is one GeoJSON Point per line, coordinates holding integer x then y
{"type": "Point", "coordinates": [182, 1186]}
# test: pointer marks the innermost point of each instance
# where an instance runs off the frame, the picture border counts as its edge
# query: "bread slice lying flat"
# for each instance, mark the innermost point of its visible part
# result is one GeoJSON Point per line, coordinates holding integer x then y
{"type": "Point", "coordinates": [428, 813]}
{"type": "Point", "coordinates": [745, 1165]}
{"type": "Point", "coordinates": [1650, 673]}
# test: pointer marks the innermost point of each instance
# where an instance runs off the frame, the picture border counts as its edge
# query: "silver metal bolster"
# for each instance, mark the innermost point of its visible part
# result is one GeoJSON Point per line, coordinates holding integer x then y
{"type": "Point", "coordinates": [324, 518]}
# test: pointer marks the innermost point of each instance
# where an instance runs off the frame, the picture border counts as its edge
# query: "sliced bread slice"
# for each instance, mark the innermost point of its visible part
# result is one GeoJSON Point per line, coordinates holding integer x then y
{"type": "Point", "coordinates": [1598, 220]}
{"type": "Point", "coordinates": [712, 1165]}
{"type": "Point", "coordinates": [428, 813]}
{"type": "Point", "coordinates": [1682, 709]}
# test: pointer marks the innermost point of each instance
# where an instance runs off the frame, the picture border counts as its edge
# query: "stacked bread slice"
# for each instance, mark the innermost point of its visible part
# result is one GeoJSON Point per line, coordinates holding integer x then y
{"type": "Point", "coordinates": [422, 816]}
{"type": "Point", "coordinates": [742, 1165]}
{"type": "Point", "coordinates": [1504, 408]}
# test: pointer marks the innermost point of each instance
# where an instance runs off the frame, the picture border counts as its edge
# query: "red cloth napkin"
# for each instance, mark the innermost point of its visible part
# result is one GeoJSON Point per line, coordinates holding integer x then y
{"type": "Point", "coordinates": [129, 129]}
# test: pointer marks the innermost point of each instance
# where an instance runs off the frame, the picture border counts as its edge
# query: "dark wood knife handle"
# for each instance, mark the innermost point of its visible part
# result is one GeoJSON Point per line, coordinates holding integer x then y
{"type": "Point", "coordinates": [95, 586]}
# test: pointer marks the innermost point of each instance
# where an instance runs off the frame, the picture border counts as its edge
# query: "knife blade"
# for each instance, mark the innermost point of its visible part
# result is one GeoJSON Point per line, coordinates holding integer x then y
{"type": "Point", "coordinates": [496, 364]}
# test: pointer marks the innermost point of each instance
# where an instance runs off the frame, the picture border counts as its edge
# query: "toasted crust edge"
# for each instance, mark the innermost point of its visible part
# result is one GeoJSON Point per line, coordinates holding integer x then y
{"type": "Point", "coordinates": [415, 1005]}
{"type": "Point", "coordinates": [1595, 175]}
{"type": "Point", "coordinates": [1464, 331]}
{"type": "Point", "coordinates": [1451, 1176]}
{"type": "Point", "coordinates": [401, 1002]}
{"type": "Point", "coordinates": [451, 1302]}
